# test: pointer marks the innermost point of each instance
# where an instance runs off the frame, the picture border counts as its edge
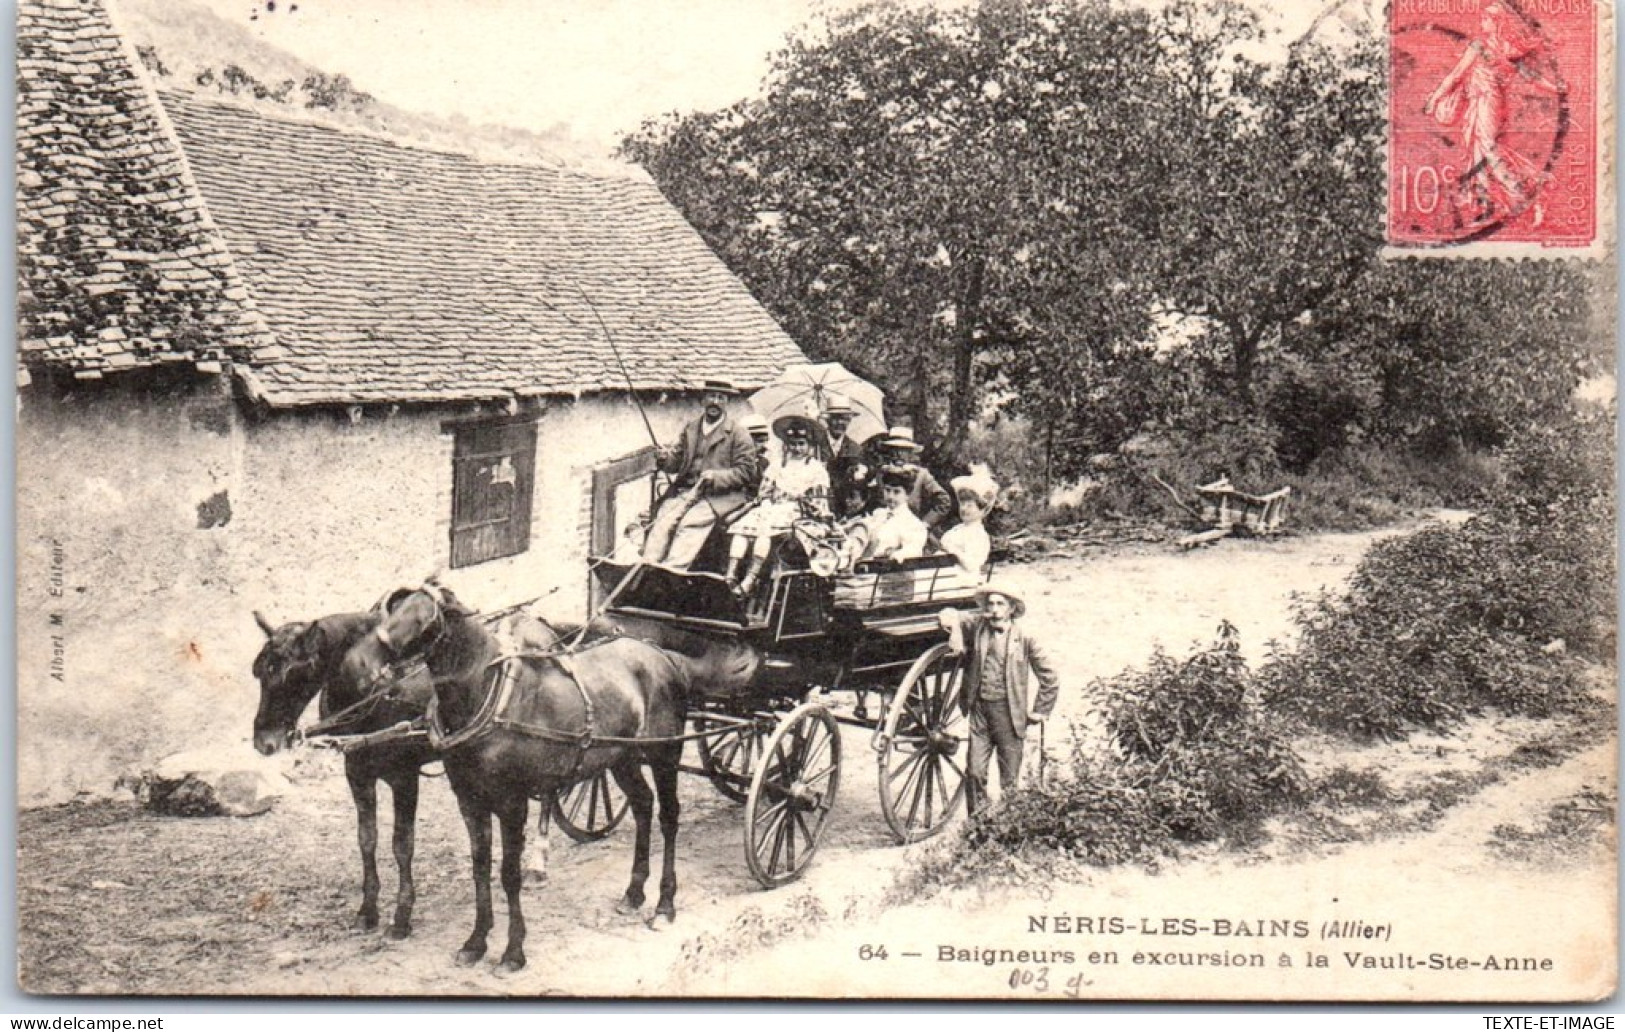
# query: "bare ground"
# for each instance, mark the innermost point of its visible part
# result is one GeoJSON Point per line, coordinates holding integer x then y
{"type": "Point", "coordinates": [113, 899]}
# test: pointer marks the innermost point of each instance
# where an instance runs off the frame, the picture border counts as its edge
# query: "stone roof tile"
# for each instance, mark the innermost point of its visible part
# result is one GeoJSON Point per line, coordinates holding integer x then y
{"type": "Point", "coordinates": [338, 266]}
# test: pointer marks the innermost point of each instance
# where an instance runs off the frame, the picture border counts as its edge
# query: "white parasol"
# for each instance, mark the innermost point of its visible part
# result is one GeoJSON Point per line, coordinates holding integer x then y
{"type": "Point", "coordinates": [805, 390]}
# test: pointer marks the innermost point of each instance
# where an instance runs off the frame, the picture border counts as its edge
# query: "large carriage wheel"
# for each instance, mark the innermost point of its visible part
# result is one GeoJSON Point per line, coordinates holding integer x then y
{"type": "Point", "coordinates": [588, 810]}
{"type": "Point", "coordinates": [792, 794]}
{"type": "Point", "coordinates": [730, 757]}
{"type": "Point", "coordinates": [922, 768]}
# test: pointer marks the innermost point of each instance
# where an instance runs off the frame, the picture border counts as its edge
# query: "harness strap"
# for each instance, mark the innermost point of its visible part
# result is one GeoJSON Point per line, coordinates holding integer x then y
{"type": "Point", "coordinates": [586, 700]}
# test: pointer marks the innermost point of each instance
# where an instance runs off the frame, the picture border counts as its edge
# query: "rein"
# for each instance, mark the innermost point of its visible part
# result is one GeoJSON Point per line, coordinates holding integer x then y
{"type": "Point", "coordinates": [488, 717]}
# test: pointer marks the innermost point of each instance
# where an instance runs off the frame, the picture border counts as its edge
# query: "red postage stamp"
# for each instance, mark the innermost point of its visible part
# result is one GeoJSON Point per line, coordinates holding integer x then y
{"type": "Point", "coordinates": [1493, 125]}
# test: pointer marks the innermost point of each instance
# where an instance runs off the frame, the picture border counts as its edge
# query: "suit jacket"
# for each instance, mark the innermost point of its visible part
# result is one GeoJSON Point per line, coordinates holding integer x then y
{"type": "Point", "coordinates": [1024, 655]}
{"type": "Point", "coordinates": [843, 486]}
{"type": "Point", "coordinates": [727, 450]}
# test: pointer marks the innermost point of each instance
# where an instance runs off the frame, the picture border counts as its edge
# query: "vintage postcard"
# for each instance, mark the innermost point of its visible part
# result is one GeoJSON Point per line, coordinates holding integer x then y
{"type": "Point", "coordinates": [992, 500]}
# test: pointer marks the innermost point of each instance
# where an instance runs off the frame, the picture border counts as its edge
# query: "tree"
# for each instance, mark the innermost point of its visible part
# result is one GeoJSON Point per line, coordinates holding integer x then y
{"type": "Point", "coordinates": [1273, 180]}
{"type": "Point", "coordinates": [931, 195]}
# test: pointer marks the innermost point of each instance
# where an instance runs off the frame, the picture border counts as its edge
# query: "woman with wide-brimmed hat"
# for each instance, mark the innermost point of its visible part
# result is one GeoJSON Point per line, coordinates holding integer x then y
{"type": "Point", "coordinates": [798, 478]}
{"type": "Point", "coordinates": [967, 540]}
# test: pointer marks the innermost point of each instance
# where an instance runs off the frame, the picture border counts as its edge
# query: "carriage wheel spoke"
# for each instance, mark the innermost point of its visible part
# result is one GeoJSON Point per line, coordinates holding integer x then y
{"type": "Point", "coordinates": [921, 793]}
{"type": "Point", "coordinates": [806, 833]}
{"type": "Point", "coordinates": [821, 775]}
{"type": "Point", "coordinates": [597, 800]}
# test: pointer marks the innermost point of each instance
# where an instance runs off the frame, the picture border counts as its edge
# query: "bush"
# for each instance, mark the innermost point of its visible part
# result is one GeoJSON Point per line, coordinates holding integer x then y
{"type": "Point", "coordinates": [1213, 763]}
{"type": "Point", "coordinates": [1450, 621]}
{"type": "Point", "coordinates": [1193, 759]}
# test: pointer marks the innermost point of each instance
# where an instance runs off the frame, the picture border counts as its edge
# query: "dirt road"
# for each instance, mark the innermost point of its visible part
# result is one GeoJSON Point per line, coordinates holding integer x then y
{"type": "Point", "coordinates": [113, 900]}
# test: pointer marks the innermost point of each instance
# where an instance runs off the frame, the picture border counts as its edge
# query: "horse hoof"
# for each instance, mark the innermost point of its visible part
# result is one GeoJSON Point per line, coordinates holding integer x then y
{"type": "Point", "coordinates": [468, 958]}
{"type": "Point", "coordinates": [659, 921]}
{"type": "Point", "coordinates": [509, 967]}
{"type": "Point", "coordinates": [364, 923]}
{"type": "Point", "coordinates": [396, 933]}
{"type": "Point", "coordinates": [626, 908]}
{"type": "Point", "coordinates": [534, 877]}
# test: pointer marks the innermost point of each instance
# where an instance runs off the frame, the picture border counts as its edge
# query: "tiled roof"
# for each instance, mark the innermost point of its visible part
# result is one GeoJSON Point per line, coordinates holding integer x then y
{"type": "Point", "coordinates": [118, 267]}
{"type": "Point", "coordinates": [396, 273]}
{"type": "Point", "coordinates": [337, 267]}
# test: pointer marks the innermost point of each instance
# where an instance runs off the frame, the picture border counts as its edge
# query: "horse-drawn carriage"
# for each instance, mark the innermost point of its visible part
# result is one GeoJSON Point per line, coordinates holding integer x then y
{"type": "Point", "coordinates": [671, 657]}
{"type": "Point", "coordinates": [863, 648]}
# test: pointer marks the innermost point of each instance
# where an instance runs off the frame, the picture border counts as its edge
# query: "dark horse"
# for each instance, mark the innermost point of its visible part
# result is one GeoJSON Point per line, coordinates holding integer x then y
{"type": "Point", "coordinates": [562, 718]}
{"type": "Point", "coordinates": [301, 660]}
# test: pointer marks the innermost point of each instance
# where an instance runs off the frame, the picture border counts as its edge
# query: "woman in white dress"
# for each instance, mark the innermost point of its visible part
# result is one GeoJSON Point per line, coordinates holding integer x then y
{"type": "Point", "coordinates": [968, 540]}
{"type": "Point", "coordinates": [799, 476]}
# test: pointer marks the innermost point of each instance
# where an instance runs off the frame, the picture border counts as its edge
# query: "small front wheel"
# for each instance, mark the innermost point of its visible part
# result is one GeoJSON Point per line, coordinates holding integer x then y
{"type": "Point", "coordinates": [792, 795]}
{"type": "Point", "coordinates": [730, 757]}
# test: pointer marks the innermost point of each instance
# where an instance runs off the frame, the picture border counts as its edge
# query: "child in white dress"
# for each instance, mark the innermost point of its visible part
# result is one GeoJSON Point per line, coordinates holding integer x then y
{"type": "Point", "coordinates": [799, 476]}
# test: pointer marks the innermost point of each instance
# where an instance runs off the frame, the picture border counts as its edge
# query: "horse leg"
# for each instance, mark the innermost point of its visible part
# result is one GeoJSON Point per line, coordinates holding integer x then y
{"type": "Point", "coordinates": [665, 775]}
{"type": "Point", "coordinates": [537, 872]}
{"type": "Point", "coordinates": [364, 790]}
{"type": "Point", "coordinates": [512, 818]}
{"type": "Point", "coordinates": [629, 775]}
{"type": "Point", "coordinates": [403, 788]}
{"type": "Point", "coordinates": [477, 820]}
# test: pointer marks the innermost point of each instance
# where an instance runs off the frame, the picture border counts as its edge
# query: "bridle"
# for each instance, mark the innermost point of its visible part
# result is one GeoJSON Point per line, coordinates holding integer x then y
{"type": "Point", "coordinates": [425, 640]}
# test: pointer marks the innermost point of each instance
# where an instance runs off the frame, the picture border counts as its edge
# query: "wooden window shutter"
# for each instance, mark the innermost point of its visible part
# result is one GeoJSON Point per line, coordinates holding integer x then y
{"type": "Point", "coordinates": [493, 481]}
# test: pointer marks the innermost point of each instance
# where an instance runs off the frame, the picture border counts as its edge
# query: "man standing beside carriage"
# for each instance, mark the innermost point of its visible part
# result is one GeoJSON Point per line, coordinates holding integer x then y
{"type": "Point", "coordinates": [713, 468]}
{"type": "Point", "coordinates": [1001, 662]}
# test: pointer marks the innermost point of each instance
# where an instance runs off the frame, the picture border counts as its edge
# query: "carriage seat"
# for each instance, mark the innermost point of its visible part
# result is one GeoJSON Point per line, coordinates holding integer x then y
{"type": "Point", "coordinates": [883, 583]}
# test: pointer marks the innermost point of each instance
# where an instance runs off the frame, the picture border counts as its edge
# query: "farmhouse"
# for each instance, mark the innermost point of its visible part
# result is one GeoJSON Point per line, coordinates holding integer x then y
{"type": "Point", "coordinates": [267, 363]}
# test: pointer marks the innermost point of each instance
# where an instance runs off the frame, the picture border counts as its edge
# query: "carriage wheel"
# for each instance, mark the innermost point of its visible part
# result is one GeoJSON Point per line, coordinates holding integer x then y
{"type": "Point", "coordinates": [730, 757]}
{"type": "Point", "coordinates": [922, 768]}
{"type": "Point", "coordinates": [792, 795]}
{"type": "Point", "coordinates": [588, 810]}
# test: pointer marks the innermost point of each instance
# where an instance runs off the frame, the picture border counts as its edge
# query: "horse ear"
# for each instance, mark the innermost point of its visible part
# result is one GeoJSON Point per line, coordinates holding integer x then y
{"type": "Point", "coordinates": [265, 625]}
{"type": "Point", "coordinates": [314, 640]}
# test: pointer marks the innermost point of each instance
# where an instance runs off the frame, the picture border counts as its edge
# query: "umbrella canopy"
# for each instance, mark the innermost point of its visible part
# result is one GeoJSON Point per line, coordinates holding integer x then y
{"type": "Point", "coordinates": [806, 390]}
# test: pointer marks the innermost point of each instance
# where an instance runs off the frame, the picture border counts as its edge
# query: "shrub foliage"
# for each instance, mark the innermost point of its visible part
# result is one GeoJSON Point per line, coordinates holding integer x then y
{"type": "Point", "coordinates": [1451, 620]}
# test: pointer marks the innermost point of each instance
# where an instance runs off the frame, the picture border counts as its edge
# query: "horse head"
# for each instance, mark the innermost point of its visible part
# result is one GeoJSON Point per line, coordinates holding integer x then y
{"type": "Point", "coordinates": [413, 620]}
{"type": "Point", "coordinates": [286, 668]}
{"type": "Point", "coordinates": [298, 661]}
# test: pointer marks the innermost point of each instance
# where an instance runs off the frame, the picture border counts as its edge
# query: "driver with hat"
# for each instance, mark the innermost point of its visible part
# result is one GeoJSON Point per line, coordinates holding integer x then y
{"type": "Point", "coordinates": [714, 467]}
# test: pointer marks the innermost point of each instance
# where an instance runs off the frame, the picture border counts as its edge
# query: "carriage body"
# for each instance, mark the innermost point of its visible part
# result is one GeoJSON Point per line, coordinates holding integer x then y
{"type": "Point", "coordinates": [861, 649]}
{"type": "Point", "coordinates": [858, 631]}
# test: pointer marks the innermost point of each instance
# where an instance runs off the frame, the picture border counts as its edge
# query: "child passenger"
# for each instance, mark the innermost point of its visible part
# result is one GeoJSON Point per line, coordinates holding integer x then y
{"type": "Point", "coordinates": [799, 476]}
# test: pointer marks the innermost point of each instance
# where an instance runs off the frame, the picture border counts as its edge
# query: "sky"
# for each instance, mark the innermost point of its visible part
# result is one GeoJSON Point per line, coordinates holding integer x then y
{"type": "Point", "coordinates": [597, 68]}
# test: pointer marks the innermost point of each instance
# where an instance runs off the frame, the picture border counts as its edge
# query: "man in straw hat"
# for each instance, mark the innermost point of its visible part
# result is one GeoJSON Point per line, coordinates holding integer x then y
{"type": "Point", "coordinates": [1001, 661]}
{"type": "Point", "coordinates": [756, 426]}
{"type": "Point", "coordinates": [713, 468]}
{"type": "Point", "coordinates": [926, 497]}
{"type": "Point", "coordinates": [845, 462]}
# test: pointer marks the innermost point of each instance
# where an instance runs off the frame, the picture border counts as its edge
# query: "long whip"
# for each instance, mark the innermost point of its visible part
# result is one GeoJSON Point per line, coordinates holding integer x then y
{"type": "Point", "coordinates": [625, 373]}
